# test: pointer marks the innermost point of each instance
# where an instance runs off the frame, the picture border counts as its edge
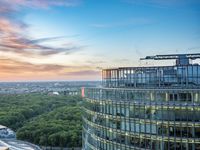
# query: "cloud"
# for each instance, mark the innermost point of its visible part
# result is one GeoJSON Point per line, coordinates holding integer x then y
{"type": "Point", "coordinates": [122, 60]}
{"type": "Point", "coordinates": [124, 23]}
{"type": "Point", "coordinates": [194, 48]}
{"type": "Point", "coordinates": [17, 70]}
{"type": "Point", "coordinates": [15, 67]}
{"type": "Point", "coordinates": [13, 37]}
{"type": "Point", "coordinates": [96, 61]}
{"type": "Point", "coordinates": [52, 38]}
{"type": "Point", "coordinates": [16, 4]}
{"type": "Point", "coordinates": [84, 73]}
{"type": "Point", "coordinates": [162, 3]}
{"type": "Point", "coordinates": [10, 7]}
{"type": "Point", "coordinates": [13, 41]}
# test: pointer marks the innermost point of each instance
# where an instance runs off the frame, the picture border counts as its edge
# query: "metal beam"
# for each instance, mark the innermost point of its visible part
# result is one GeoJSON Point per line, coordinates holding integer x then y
{"type": "Point", "coordinates": [173, 56]}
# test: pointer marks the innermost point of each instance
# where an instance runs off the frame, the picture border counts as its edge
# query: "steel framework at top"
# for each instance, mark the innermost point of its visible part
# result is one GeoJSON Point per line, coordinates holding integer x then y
{"type": "Point", "coordinates": [181, 59]}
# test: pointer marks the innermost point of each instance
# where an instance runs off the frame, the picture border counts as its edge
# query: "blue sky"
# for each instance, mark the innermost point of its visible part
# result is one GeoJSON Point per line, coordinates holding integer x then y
{"type": "Point", "coordinates": [101, 33]}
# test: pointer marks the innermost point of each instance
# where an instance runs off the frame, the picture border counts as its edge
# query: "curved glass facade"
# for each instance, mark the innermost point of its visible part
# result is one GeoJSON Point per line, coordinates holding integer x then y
{"type": "Point", "coordinates": [145, 108]}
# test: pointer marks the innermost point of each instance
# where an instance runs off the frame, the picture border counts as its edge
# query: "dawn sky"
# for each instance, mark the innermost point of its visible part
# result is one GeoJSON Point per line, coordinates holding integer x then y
{"type": "Point", "coordinates": [74, 39]}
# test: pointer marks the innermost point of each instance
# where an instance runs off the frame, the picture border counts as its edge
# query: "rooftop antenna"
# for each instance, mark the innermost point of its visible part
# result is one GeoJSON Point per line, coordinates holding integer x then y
{"type": "Point", "coordinates": [181, 59]}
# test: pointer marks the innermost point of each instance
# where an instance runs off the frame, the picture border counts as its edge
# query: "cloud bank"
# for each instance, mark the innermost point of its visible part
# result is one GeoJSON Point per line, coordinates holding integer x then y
{"type": "Point", "coordinates": [13, 32]}
{"type": "Point", "coordinates": [14, 39]}
{"type": "Point", "coordinates": [162, 3]}
{"type": "Point", "coordinates": [25, 70]}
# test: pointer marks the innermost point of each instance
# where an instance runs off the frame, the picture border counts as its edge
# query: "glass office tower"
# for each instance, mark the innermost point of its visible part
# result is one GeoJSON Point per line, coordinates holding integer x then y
{"type": "Point", "coordinates": [150, 108]}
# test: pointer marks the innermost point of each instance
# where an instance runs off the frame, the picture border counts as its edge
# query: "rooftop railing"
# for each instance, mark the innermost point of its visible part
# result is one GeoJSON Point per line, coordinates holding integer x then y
{"type": "Point", "coordinates": [186, 76]}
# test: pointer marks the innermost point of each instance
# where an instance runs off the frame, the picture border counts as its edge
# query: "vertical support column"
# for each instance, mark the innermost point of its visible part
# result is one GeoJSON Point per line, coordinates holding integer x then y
{"type": "Point", "coordinates": [157, 144]}
{"type": "Point", "coordinates": [196, 97]}
{"type": "Point", "coordinates": [152, 96]}
{"type": "Point", "coordinates": [167, 96]}
{"type": "Point", "coordinates": [186, 146]}
{"type": "Point", "coordinates": [162, 146]}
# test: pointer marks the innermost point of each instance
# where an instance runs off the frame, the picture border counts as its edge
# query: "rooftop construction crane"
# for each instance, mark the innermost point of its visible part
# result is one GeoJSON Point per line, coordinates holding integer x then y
{"type": "Point", "coordinates": [181, 59]}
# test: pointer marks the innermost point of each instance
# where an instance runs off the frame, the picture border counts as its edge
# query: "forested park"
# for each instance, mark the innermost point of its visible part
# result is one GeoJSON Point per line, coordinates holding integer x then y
{"type": "Point", "coordinates": [42, 119]}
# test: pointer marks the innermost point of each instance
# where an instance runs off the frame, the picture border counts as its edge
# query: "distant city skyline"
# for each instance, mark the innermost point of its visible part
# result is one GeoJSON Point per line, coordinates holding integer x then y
{"type": "Point", "coordinates": [73, 39]}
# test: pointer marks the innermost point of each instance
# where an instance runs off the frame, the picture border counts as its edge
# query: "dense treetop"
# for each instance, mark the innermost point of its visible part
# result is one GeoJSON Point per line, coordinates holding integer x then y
{"type": "Point", "coordinates": [43, 119]}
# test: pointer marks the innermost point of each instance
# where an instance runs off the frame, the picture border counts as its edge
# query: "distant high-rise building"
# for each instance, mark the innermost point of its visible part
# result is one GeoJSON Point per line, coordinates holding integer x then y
{"type": "Point", "coordinates": [150, 108]}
